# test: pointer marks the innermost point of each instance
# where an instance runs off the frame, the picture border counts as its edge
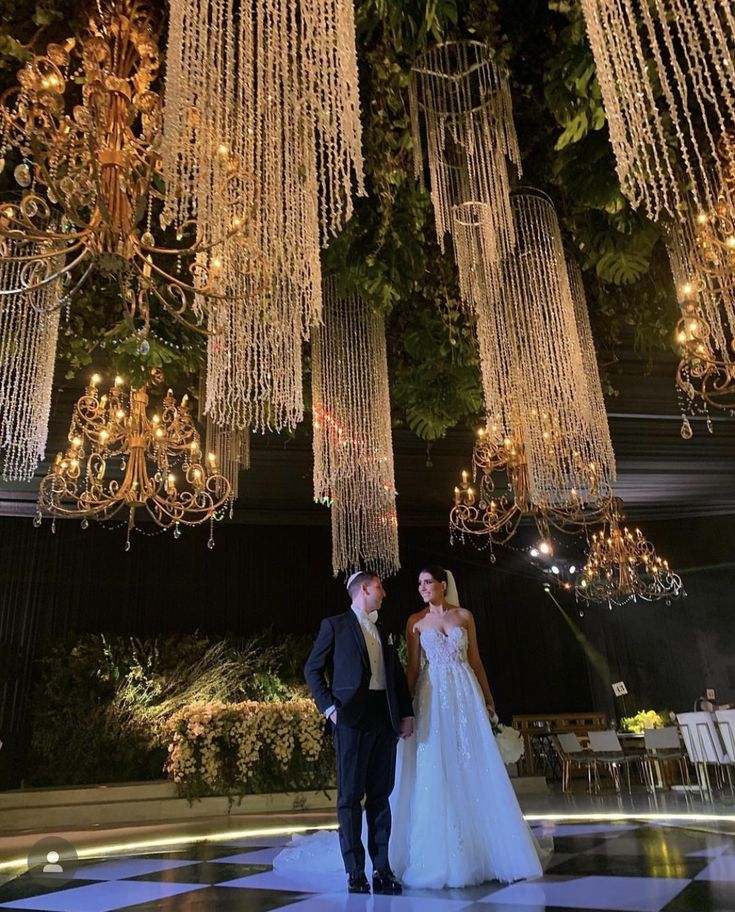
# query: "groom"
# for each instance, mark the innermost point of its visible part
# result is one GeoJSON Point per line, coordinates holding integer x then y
{"type": "Point", "coordinates": [358, 682]}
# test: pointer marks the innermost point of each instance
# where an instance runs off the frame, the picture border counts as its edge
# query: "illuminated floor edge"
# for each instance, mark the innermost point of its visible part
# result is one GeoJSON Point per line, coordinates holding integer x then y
{"type": "Point", "coordinates": [610, 855]}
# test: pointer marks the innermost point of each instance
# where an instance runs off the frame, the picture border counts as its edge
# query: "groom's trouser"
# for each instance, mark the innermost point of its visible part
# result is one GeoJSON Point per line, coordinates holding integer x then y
{"type": "Point", "coordinates": [366, 766]}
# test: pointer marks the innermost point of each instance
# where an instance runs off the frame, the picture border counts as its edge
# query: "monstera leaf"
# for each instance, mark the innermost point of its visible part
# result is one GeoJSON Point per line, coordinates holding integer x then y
{"type": "Point", "coordinates": [622, 267]}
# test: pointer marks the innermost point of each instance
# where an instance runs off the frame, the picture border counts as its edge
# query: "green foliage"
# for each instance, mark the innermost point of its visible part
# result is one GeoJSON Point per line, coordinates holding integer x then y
{"type": "Point", "coordinates": [101, 706]}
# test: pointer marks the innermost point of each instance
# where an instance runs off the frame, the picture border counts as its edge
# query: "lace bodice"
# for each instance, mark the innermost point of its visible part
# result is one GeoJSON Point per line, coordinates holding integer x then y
{"type": "Point", "coordinates": [444, 648]}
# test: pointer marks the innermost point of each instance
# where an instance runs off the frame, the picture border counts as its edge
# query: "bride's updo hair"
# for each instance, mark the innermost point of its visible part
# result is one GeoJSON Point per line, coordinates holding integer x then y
{"type": "Point", "coordinates": [437, 573]}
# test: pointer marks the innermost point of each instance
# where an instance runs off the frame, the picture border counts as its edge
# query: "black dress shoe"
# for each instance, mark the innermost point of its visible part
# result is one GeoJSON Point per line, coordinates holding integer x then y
{"type": "Point", "coordinates": [384, 881]}
{"type": "Point", "coordinates": [358, 883]}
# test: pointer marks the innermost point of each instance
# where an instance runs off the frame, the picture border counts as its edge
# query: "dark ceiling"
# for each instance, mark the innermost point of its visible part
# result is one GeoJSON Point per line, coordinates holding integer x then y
{"type": "Point", "coordinates": [660, 475]}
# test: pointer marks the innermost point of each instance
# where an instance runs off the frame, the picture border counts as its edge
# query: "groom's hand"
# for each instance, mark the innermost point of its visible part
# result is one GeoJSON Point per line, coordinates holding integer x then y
{"type": "Point", "coordinates": [405, 729]}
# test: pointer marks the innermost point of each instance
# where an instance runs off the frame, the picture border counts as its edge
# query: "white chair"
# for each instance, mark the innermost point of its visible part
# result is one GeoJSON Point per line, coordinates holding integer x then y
{"type": "Point", "coordinates": [571, 753]}
{"type": "Point", "coordinates": [705, 748]}
{"type": "Point", "coordinates": [662, 746]}
{"type": "Point", "coordinates": [608, 751]}
{"type": "Point", "coordinates": [726, 724]}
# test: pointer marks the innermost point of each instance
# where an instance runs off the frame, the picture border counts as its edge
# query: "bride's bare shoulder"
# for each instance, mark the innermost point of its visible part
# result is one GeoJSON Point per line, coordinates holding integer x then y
{"type": "Point", "coordinates": [414, 619]}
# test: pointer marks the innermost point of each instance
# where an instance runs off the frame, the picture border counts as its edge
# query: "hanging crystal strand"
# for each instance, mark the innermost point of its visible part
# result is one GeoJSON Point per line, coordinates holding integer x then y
{"type": "Point", "coordinates": [230, 447]}
{"type": "Point", "coordinates": [462, 102]}
{"type": "Point", "coordinates": [268, 97]}
{"type": "Point", "coordinates": [599, 427]}
{"type": "Point", "coordinates": [353, 447]}
{"type": "Point", "coordinates": [480, 279]}
{"type": "Point", "coordinates": [29, 329]}
{"type": "Point", "coordinates": [665, 62]}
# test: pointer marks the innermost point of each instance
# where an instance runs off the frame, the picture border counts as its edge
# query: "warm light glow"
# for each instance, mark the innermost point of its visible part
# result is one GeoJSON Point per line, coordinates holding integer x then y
{"type": "Point", "coordinates": [95, 379]}
{"type": "Point", "coordinates": [545, 547]}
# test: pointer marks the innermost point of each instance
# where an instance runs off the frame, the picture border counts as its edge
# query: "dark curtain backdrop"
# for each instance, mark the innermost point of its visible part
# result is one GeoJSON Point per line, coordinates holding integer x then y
{"type": "Point", "coordinates": [541, 656]}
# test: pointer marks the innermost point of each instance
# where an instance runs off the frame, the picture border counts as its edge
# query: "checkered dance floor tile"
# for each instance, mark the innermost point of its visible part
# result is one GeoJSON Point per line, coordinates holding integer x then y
{"type": "Point", "coordinates": [612, 867]}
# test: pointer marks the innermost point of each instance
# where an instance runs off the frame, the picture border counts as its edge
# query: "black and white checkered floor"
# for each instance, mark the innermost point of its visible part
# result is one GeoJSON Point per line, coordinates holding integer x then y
{"type": "Point", "coordinates": [621, 867]}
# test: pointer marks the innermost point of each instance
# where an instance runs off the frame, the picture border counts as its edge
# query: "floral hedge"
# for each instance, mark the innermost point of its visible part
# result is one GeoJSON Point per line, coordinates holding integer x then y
{"type": "Point", "coordinates": [243, 748]}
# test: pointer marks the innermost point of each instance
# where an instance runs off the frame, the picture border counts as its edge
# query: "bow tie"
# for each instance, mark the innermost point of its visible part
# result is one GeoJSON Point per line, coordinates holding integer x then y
{"type": "Point", "coordinates": [371, 616]}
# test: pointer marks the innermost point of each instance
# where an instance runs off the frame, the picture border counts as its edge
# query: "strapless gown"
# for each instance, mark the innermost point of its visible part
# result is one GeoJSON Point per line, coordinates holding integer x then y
{"type": "Point", "coordinates": [456, 819]}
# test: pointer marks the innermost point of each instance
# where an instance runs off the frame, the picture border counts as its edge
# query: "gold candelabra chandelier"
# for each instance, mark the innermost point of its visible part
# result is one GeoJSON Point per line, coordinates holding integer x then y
{"type": "Point", "coordinates": [120, 458]}
{"type": "Point", "coordinates": [623, 566]}
{"type": "Point", "coordinates": [702, 254]}
{"type": "Point", "coordinates": [85, 120]}
{"type": "Point", "coordinates": [482, 515]}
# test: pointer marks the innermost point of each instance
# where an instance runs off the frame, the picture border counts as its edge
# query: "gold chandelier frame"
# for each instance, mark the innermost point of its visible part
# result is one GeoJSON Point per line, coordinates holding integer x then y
{"type": "Point", "coordinates": [120, 458]}
{"type": "Point", "coordinates": [90, 169]}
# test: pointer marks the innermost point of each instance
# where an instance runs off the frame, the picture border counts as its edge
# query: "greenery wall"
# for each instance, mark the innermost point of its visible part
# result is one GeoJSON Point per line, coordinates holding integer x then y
{"type": "Point", "coordinates": [103, 705]}
{"type": "Point", "coordinates": [388, 251]}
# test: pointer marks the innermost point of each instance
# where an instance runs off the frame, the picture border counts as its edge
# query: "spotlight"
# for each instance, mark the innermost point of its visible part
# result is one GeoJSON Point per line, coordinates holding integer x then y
{"type": "Point", "coordinates": [555, 570]}
{"type": "Point", "coordinates": [547, 587]}
{"type": "Point", "coordinates": [534, 552]}
{"type": "Point", "coordinates": [544, 547]}
{"type": "Point", "coordinates": [572, 569]}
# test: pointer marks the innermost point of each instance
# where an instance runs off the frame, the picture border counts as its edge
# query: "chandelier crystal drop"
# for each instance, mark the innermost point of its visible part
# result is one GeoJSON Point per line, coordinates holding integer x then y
{"type": "Point", "coordinates": [120, 459]}
{"type": "Point", "coordinates": [274, 88]}
{"type": "Point", "coordinates": [461, 112]}
{"type": "Point", "coordinates": [666, 74]}
{"type": "Point", "coordinates": [623, 566]}
{"type": "Point", "coordinates": [29, 330]}
{"type": "Point", "coordinates": [85, 119]}
{"type": "Point", "coordinates": [353, 445]}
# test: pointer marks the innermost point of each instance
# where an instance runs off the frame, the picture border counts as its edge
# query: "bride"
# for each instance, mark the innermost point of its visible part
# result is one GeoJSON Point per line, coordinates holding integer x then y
{"type": "Point", "coordinates": [456, 819]}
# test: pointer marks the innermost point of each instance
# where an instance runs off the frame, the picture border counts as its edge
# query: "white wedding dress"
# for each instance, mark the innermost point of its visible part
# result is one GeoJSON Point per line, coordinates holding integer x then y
{"type": "Point", "coordinates": [456, 819]}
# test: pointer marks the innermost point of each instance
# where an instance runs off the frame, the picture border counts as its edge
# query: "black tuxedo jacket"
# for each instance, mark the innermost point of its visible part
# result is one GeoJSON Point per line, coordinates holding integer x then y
{"type": "Point", "coordinates": [338, 672]}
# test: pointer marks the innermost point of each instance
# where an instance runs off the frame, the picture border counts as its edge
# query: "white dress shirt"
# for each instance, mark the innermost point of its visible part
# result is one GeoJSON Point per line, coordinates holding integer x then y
{"type": "Point", "coordinates": [374, 648]}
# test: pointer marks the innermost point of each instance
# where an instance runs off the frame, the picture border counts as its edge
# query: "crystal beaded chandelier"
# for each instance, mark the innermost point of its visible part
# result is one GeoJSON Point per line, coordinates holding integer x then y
{"type": "Point", "coordinates": [537, 359]}
{"type": "Point", "coordinates": [353, 445]}
{"type": "Point", "coordinates": [277, 80]}
{"type": "Point", "coordinates": [622, 566]}
{"type": "Point", "coordinates": [461, 104]}
{"type": "Point", "coordinates": [118, 458]}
